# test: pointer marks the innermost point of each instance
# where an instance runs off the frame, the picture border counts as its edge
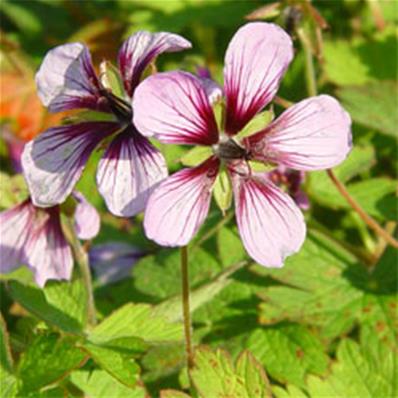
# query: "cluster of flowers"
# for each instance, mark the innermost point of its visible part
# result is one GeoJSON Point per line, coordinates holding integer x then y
{"type": "Point", "coordinates": [174, 108]}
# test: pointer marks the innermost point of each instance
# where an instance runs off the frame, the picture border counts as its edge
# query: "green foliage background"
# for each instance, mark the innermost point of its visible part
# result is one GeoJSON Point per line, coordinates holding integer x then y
{"type": "Point", "coordinates": [323, 326]}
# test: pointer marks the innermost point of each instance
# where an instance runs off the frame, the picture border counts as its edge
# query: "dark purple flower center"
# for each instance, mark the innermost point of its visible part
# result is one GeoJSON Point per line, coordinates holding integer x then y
{"type": "Point", "coordinates": [118, 106]}
{"type": "Point", "coordinates": [230, 150]}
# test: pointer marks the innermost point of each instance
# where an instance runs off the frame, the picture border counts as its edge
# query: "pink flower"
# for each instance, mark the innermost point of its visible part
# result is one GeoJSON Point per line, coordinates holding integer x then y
{"type": "Point", "coordinates": [131, 166]}
{"type": "Point", "coordinates": [313, 134]}
{"type": "Point", "coordinates": [33, 236]}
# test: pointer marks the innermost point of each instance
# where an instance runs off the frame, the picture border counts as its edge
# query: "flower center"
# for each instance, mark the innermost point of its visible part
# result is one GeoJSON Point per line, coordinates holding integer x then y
{"type": "Point", "coordinates": [229, 150]}
{"type": "Point", "coordinates": [119, 107]}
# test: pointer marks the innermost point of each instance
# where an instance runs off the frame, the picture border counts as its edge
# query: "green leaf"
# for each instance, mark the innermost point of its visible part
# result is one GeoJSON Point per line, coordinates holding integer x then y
{"type": "Point", "coordinates": [360, 62]}
{"type": "Point", "coordinates": [6, 361]}
{"type": "Point", "coordinates": [230, 247]}
{"type": "Point", "coordinates": [196, 155]}
{"type": "Point", "coordinates": [156, 275]}
{"type": "Point", "coordinates": [48, 359]}
{"type": "Point", "coordinates": [9, 384]}
{"type": "Point", "coordinates": [257, 123]}
{"type": "Point", "coordinates": [376, 196]}
{"type": "Point", "coordinates": [99, 384]}
{"type": "Point", "coordinates": [353, 375]}
{"type": "Point", "coordinates": [222, 190]}
{"type": "Point", "coordinates": [61, 304]}
{"type": "Point", "coordinates": [171, 308]}
{"type": "Point", "coordinates": [326, 287]}
{"type": "Point", "coordinates": [138, 320]}
{"type": "Point", "coordinates": [373, 105]}
{"type": "Point", "coordinates": [214, 375]}
{"type": "Point", "coordinates": [119, 365]}
{"type": "Point", "coordinates": [288, 352]}
{"type": "Point", "coordinates": [13, 190]}
{"type": "Point", "coordinates": [173, 394]}
{"type": "Point", "coordinates": [111, 79]}
{"type": "Point", "coordinates": [291, 392]}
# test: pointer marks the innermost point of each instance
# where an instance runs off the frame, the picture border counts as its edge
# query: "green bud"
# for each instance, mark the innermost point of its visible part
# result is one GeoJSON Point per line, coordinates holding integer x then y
{"type": "Point", "coordinates": [222, 191]}
{"type": "Point", "coordinates": [111, 79]}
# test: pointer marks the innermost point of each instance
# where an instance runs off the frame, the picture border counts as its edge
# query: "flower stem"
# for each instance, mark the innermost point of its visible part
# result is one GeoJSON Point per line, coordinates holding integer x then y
{"type": "Point", "coordinates": [185, 306]}
{"type": "Point", "coordinates": [81, 258]}
{"type": "Point", "coordinates": [83, 262]}
{"type": "Point", "coordinates": [309, 62]}
{"type": "Point", "coordinates": [365, 217]}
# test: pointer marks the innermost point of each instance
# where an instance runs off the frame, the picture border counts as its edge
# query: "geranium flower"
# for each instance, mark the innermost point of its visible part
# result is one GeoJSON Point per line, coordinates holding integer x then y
{"type": "Point", "coordinates": [311, 135]}
{"type": "Point", "coordinates": [130, 167]}
{"type": "Point", "coordinates": [33, 236]}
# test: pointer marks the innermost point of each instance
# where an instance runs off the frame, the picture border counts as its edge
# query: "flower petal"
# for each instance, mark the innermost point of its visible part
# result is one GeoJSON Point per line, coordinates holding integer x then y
{"type": "Point", "coordinates": [54, 161]}
{"type": "Point", "coordinates": [14, 232]}
{"type": "Point", "coordinates": [66, 79]}
{"type": "Point", "coordinates": [47, 251]}
{"type": "Point", "coordinates": [33, 236]}
{"type": "Point", "coordinates": [129, 171]}
{"type": "Point", "coordinates": [87, 219]}
{"type": "Point", "coordinates": [313, 134]}
{"type": "Point", "coordinates": [140, 49]}
{"type": "Point", "coordinates": [113, 261]}
{"type": "Point", "coordinates": [213, 89]}
{"type": "Point", "coordinates": [255, 62]}
{"type": "Point", "coordinates": [178, 207]}
{"type": "Point", "coordinates": [174, 107]}
{"type": "Point", "coordinates": [270, 224]}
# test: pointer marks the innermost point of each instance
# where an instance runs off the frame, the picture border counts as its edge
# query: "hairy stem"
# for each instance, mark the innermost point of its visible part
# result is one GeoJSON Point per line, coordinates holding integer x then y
{"type": "Point", "coordinates": [81, 258]}
{"type": "Point", "coordinates": [365, 217]}
{"type": "Point", "coordinates": [185, 306]}
{"type": "Point", "coordinates": [309, 62]}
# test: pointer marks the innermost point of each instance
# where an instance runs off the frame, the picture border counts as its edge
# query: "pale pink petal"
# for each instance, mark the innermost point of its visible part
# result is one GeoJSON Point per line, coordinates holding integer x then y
{"type": "Point", "coordinates": [32, 236]}
{"type": "Point", "coordinates": [140, 49]}
{"type": "Point", "coordinates": [313, 134]}
{"type": "Point", "coordinates": [174, 107]}
{"type": "Point", "coordinates": [66, 79]}
{"type": "Point", "coordinates": [213, 89]}
{"type": "Point", "coordinates": [255, 62]}
{"type": "Point", "coordinates": [14, 231]}
{"type": "Point", "coordinates": [54, 161]}
{"type": "Point", "coordinates": [47, 251]}
{"type": "Point", "coordinates": [129, 171]}
{"type": "Point", "coordinates": [179, 206]}
{"type": "Point", "coordinates": [87, 219]}
{"type": "Point", "coordinates": [270, 224]}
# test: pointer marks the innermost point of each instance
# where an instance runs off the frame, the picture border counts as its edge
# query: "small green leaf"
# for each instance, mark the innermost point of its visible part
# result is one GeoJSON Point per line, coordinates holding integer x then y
{"type": "Point", "coordinates": [373, 105]}
{"type": "Point", "coordinates": [138, 320]}
{"type": "Point", "coordinates": [196, 155]}
{"type": "Point", "coordinates": [214, 375]}
{"type": "Point", "coordinates": [119, 365]}
{"type": "Point", "coordinates": [261, 167]}
{"type": "Point", "coordinates": [47, 359]}
{"type": "Point", "coordinates": [13, 190]}
{"type": "Point", "coordinates": [288, 352]}
{"type": "Point", "coordinates": [61, 304]}
{"type": "Point", "coordinates": [99, 384]}
{"type": "Point", "coordinates": [353, 375]}
{"type": "Point", "coordinates": [111, 79]}
{"type": "Point", "coordinates": [89, 116]}
{"type": "Point", "coordinates": [222, 190]}
{"type": "Point", "coordinates": [229, 245]}
{"type": "Point", "coordinates": [259, 122]}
